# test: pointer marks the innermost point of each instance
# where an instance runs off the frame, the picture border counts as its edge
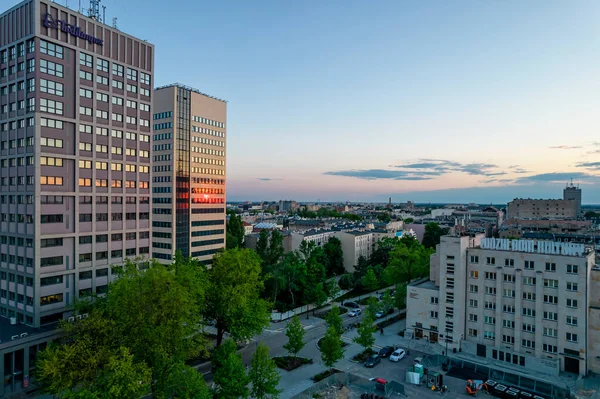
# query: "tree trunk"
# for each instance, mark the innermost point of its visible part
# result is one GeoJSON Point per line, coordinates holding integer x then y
{"type": "Point", "coordinates": [220, 334]}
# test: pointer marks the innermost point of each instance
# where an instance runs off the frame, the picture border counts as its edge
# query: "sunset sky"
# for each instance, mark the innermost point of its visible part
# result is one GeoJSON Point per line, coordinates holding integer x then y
{"type": "Point", "coordinates": [431, 101]}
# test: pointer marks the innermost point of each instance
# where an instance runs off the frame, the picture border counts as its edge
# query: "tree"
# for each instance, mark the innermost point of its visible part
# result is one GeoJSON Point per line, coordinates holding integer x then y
{"type": "Point", "coordinates": [409, 220]}
{"type": "Point", "coordinates": [231, 379]}
{"type": "Point", "coordinates": [361, 267]}
{"type": "Point", "coordinates": [365, 332]}
{"type": "Point", "coordinates": [408, 260]}
{"type": "Point", "coordinates": [381, 255]}
{"type": "Point", "coordinates": [235, 231]}
{"type": "Point", "coordinates": [346, 281]}
{"type": "Point", "coordinates": [275, 251]}
{"type": "Point", "coordinates": [387, 303]}
{"type": "Point", "coordinates": [295, 333]}
{"type": "Point", "coordinates": [262, 245]}
{"type": "Point", "coordinates": [222, 352]}
{"type": "Point", "coordinates": [264, 375]}
{"type": "Point", "coordinates": [335, 256]}
{"type": "Point", "coordinates": [369, 282]}
{"type": "Point", "coordinates": [433, 234]}
{"type": "Point", "coordinates": [233, 295]}
{"type": "Point", "coordinates": [185, 382]}
{"type": "Point", "coordinates": [384, 217]}
{"type": "Point", "coordinates": [400, 296]}
{"type": "Point", "coordinates": [334, 320]}
{"type": "Point", "coordinates": [331, 347]}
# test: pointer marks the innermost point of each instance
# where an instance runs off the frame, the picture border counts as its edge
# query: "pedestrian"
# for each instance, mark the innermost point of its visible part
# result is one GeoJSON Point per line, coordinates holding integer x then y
{"type": "Point", "coordinates": [381, 330]}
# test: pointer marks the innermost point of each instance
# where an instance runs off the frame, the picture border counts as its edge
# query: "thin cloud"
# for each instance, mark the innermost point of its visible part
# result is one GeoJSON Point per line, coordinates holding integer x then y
{"type": "Point", "coordinates": [518, 169]}
{"type": "Point", "coordinates": [565, 147]}
{"type": "Point", "coordinates": [589, 165]}
{"type": "Point", "coordinates": [267, 179]}
{"type": "Point", "coordinates": [375, 174]}
{"type": "Point", "coordinates": [443, 166]}
{"type": "Point", "coordinates": [557, 177]}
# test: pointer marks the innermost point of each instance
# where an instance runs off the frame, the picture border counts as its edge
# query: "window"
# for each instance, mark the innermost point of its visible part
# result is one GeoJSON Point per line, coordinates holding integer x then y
{"type": "Point", "coordinates": [490, 276]}
{"type": "Point", "coordinates": [46, 281]}
{"type": "Point", "coordinates": [102, 97]}
{"type": "Point", "coordinates": [473, 274]}
{"type": "Point", "coordinates": [145, 92]}
{"type": "Point", "coordinates": [51, 180]}
{"type": "Point", "coordinates": [490, 305]}
{"type": "Point", "coordinates": [509, 262]}
{"type": "Point", "coordinates": [48, 142]}
{"type": "Point", "coordinates": [550, 332]}
{"type": "Point", "coordinates": [102, 131]}
{"type": "Point", "coordinates": [117, 117]}
{"type": "Point", "coordinates": [87, 111]}
{"type": "Point", "coordinates": [552, 316]}
{"type": "Point", "coordinates": [508, 323]}
{"type": "Point", "coordinates": [85, 129]}
{"type": "Point", "coordinates": [529, 264]}
{"type": "Point", "coordinates": [571, 337]}
{"type": "Point", "coordinates": [508, 293]}
{"type": "Point", "coordinates": [101, 114]}
{"type": "Point", "coordinates": [526, 343]}
{"type": "Point", "coordinates": [550, 348]}
{"type": "Point", "coordinates": [490, 260]}
{"type": "Point", "coordinates": [551, 299]}
{"type": "Point", "coordinates": [117, 134]}
{"type": "Point", "coordinates": [433, 314]}
{"type": "Point", "coordinates": [85, 217]}
{"type": "Point", "coordinates": [550, 267]}
{"type": "Point", "coordinates": [117, 84]}
{"type": "Point", "coordinates": [86, 75]}
{"type": "Point", "coordinates": [132, 120]}
{"type": "Point", "coordinates": [573, 269]}
{"type": "Point", "coordinates": [572, 286]}
{"type": "Point", "coordinates": [103, 80]}
{"type": "Point", "coordinates": [50, 299]}
{"type": "Point", "coordinates": [51, 106]}
{"type": "Point", "coordinates": [85, 146]}
{"type": "Point", "coordinates": [51, 49]}
{"type": "Point", "coordinates": [571, 320]}
{"type": "Point", "coordinates": [117, 101]}
{"type": "Point", "coordinates": [86, 60]}
{"type": "Point", "coordinates": [528, 328]}
{"type": "Point", "coordinates": [472, 332]}
{"type": "Point", "coordinates": [473, 288]}
{"type": "Point", "coordinates": [144, 78]}
{"type": "Point", "coordinates": [489, 320]}
{"type": "Point", "coordinates": [101, 148]}
{"type": "Point", "coordinates": [131, 104]}
{"type": "Point", "coordinates": [529, 296]}
{"type": "Point", "coordinates": [116, 150]}
{"type": "Point", "coordinates": [549, 283]}
{"type": "Point", "coordinates": [472, 317]}
{"type": "Point", "coordinates": [508, 339]}
{"type": "Point", "coordinates": [132, 88]}
{"type": "Point", "coordinates": [508, 308]}
{"type": "Point", "coordinates": [473, 303]}
{"type": "Point", "coordinates": [51, 261]}
{"type": "Point", "coordinates": [144, 107]}
{"type": "Point", "coordinates": [571, 303]}
{"type": "Point", "coordinates": [102, 65]}
{"type": "Point", "coordinates": [118, 70]}
{"type": "Point", "coordinates": [86, 93]}
{"type": "Point", "coordinates": [528, 280]}
{"type": "Point", "coordinates": [489, 335]}
{"type": "Point", "coordinates": [31, 65]}
{"type": "Point", "coordinates": [51, 161]}
{"type": "Point", "coordinates": [116, 183]}
{"type": "Point", "coordinates": [50, 87]}
{"type": "Point", "coordinates": [116, 166]}
{"type": "Point", "coordinates": [508, 278]}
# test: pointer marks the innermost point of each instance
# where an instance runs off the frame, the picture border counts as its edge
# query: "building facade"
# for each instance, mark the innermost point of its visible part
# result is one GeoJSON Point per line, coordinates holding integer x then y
{"type": "Point", "coordinates": [524, 302]}
{"type": "Point", "coordinates": [188, 195]}
{"type": "Point", "coordinates": [75, 114]}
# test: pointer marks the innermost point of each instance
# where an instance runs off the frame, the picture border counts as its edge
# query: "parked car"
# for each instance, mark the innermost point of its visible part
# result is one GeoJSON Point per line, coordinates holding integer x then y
{"type": "Point", "coordinates": [351, 305]}
{"type": "Point", "coordinates": [386, 351]}
{"type": "Point", "coordinates": [418, 359]}
{"type": "Point", "coordinates": [373, 361]}
{"type": "Point", "coordinates": [383, 312]}
{"type": "Point", "coordinates": [355, 313]}
{"type": "Point", "coordinates": [397, 355]}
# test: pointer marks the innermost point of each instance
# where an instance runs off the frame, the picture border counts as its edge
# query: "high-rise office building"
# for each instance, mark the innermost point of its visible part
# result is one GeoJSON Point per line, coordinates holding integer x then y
{"type": "Point", "coordinates": [573, 193]}
{"type": "Point", "coordinates": [75, 126]}
{"type": "Point", "coordinates": [188, 198]}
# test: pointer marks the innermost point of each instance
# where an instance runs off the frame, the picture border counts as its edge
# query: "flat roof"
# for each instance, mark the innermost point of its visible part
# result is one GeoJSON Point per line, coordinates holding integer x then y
{"type": "Point", "coordinates": [182, 86]}
{"type": "Point", "coordinates": [427, 284]}
{"type": "Point", "coordinates": [8, 330]}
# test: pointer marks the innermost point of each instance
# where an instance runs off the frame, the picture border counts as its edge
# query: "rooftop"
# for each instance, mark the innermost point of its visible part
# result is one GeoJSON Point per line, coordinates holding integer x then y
{"type": "Point", "coordinates": [535, 246]}
{"type": "Point", "coordinates": [182, 86]}
{"type": "Point", "coordinates": [426, 284]}
{"type": "Point", "coordinates": [7, 330]}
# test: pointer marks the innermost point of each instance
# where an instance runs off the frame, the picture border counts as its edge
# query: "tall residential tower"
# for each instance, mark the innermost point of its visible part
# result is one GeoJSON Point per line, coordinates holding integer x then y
{"type": "Point", "coordinates": [188, 199]}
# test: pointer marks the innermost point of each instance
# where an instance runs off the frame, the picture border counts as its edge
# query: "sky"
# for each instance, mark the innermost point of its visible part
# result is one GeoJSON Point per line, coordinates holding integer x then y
{"type": "Point", "coordinates": [431, 101]}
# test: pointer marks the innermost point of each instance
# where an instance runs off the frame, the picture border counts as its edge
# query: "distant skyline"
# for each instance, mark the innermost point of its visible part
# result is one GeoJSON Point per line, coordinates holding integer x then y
{"type": "Point", "coordinates": [340, 101]}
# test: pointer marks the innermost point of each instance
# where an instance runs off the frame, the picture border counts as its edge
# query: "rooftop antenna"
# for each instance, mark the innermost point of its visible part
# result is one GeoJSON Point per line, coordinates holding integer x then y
{"type": "Point", "coordinates": [104, 14]}
{"type": "Point", "coordinates": [94, 10]}
{"type": "Point", "coordinates": [114, 25]}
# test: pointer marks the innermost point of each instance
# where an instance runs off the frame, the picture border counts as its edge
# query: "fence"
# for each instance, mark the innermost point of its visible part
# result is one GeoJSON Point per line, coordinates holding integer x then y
{"type": "Point", "coordinates": [280, 316]}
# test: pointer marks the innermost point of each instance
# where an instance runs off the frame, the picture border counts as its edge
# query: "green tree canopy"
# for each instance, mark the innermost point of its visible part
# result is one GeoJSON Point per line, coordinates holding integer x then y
{"type": "Point", "coordinates": [331, 347]}
{"type": "Point", "coordinates": [233, 295]}
{"type": "Point", "coordinates": [264, 375]}
{"type": "Point", "coordinates": [365, 332]}
{"type": "Point", "coordinates": [231, 379]}
{"type": "Point", "coordinates": [384, 217]}
{"type": "Point", "coordinates": [235, 231]}
{"type": "Point", "coordinates": [369, 281]}
{"type": "Point", "coordinates": [334, 320]}
{"type": "Point", "coordinates": [262, 245]}
{"type": "Point", "coordinates": [295, 333]}
{"type": "Point", "coordinates": [433, 234]}
{"type": "Point", "coordinates": [335, 256]}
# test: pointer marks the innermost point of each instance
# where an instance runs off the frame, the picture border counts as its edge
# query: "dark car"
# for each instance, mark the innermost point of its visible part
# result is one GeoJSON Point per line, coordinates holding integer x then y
{"type": "Point", "coordinates": [373, 361]}
{"type": "Point", "coordinates": [352, 305]}
{"type": "Point", "coordinates": [386, 351]}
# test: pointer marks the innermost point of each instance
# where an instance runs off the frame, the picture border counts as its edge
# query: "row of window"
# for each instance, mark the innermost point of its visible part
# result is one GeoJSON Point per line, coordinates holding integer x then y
{"type": "Point", "coordinates": [207, 121]}
{"type": "Point", "coordinates": [204, 130]}
{"type": "Point", "coordinates": [14, 125]}
{"type": "Point", "coordinates": [114, 237]}
{"type": "Point", "coordinates": [528, 264]}
{"type": "Point", "coordinates": [203, 140]}
{"type": "Point", "coordinates": [103, 255]}
{"type": "Point", "coordinates": [102, 131]}
{"type": "Point", "coordinates": [113, 166]}
{"type": "Point", "coordinates": [526, 280]}
{"type": "Point", "coordinates": [87, 60]}
{"type": "Point", "coordinates": [103, 97]}
{"type": "Point", "coordinates": [11, 53]}
{"type": "Point", "coordinates": [115, 183]}
{"type": "Point", "coordinates": [547, 315]}
{"type": "Point", "coordinates": [209, 151]}
{"type": "Point", "coordinates": [101, 148]}
{"type": "Point", "coordinates": [100, 114]}
{"type": "Point", "coordinates": [209, 161]}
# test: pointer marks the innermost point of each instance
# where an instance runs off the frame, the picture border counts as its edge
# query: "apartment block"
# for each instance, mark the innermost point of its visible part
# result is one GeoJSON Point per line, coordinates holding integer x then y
{"type": "Point", "coordinates": [518, 302]}
{"type": "Point", "coordinates": [359, 243]}
{"type": "Point", "coordinates": [75, 177]}
{"type": "Point", "coordinates": [189, 171]}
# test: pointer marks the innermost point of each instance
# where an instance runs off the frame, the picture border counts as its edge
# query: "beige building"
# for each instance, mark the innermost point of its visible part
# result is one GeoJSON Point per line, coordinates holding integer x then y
{"type": "Point", "coordinates": [542, 209]}
{"type": "Point", "coordinates": [524, 302]}
{"type": "Point", "coordinates": [188, 197]}
{"type": "Point", "coordinates": [359, 243]}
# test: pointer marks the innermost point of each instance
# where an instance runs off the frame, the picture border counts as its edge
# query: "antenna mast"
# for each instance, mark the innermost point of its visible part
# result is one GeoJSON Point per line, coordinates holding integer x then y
{"type": "Point", "coordinates": [114, 24]}
{"type": "Point", "coordinates": [94, 11]}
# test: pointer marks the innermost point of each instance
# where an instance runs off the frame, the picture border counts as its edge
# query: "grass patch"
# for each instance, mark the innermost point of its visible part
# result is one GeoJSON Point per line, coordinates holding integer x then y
{"type": "Point", "coordinates": [366, 300]}
{"type": "Point", "coordinates": [391, 320]}
{"type": "Point", "coordinates": [290, 363]}
{"type": "Point", "coordinates": [322, 315]}
{"type": "Point", "coordinates": [344, 343]}
{"type": "Point", "coordinates": [324, 374]}
{"type": "Point", "coordinates": [363, 356]}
